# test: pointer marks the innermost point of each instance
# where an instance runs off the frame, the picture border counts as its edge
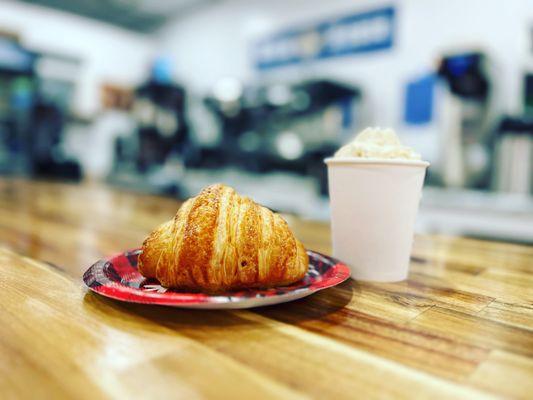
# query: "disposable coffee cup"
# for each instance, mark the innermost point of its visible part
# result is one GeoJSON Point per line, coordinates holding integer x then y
{"type": "Point", "coordinates": [373, 210]}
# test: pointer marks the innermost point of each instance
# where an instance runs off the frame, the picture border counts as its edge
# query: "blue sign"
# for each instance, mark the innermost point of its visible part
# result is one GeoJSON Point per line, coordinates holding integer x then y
{"type": "Point", "coordinates": [353, 34]}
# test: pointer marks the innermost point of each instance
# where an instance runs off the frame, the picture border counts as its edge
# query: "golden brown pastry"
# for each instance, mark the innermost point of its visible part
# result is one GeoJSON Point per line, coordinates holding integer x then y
{"type": "Point", "coordinates": [220, 241]}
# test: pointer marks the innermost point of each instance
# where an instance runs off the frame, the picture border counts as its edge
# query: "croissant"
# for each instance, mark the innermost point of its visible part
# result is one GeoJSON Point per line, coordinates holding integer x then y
{"type": "Point", "coordinates": [221, 241]}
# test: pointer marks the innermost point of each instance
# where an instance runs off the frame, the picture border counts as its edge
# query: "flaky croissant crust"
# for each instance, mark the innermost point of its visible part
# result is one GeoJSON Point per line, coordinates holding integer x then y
{"type": "Point", "coordinates": [220, 241]}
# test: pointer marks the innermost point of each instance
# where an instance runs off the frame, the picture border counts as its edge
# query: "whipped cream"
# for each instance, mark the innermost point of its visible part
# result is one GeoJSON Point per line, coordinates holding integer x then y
{"type": "Point", "coordinates": [379, 144]}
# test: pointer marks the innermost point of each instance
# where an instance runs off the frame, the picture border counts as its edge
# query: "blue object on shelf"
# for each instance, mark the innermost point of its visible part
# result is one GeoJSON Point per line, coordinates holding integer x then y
{"type": "Point", "coordinates": [162, 70]}
{"type": "Point", "coordinates": [419, 99]}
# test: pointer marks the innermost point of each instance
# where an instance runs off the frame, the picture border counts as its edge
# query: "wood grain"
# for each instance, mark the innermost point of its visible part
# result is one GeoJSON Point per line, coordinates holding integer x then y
{"type": "Point", "coordinates": [461, 326]}
{"type": "Point", "coordinates": [518, 372]}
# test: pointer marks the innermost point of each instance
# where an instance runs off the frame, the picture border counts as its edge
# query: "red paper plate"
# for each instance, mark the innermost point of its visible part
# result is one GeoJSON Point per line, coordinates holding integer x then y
{"type": "Point", "coordinates": [118, 278]}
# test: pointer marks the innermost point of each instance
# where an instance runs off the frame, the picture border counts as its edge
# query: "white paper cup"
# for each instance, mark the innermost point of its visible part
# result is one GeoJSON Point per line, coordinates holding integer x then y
{"type": "Point", "coordinates": [373, 210]}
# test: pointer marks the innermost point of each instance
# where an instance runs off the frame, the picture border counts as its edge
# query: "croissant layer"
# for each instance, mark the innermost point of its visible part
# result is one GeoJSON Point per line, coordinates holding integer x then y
{"type": "Point", "coordinates": [219, 241]}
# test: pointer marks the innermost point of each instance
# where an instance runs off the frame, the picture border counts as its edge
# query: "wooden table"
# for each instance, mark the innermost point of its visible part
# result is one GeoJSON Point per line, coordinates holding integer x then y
{"type": "Point", "coordinates": [459, 327]}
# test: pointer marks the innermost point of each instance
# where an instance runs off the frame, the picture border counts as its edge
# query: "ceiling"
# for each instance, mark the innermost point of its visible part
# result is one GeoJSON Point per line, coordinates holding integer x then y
{"type": "Point", "coordinates": [138, 15]}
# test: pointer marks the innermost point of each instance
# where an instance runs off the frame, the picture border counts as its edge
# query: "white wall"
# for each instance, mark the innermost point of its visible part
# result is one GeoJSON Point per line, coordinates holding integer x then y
{"type": "Point", "coordinates": [214, 43]}
{"type": "Point", "coordinates": [108, 54]}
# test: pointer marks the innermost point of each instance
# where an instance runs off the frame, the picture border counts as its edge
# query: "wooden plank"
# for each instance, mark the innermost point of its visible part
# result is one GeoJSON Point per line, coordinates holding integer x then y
{"type": "Point", "coordinates": [474, 253]}
{"type": "Point", "coordinates": [283, 349]}
{"type": "Point", "coordinates": [344, 369]}
{"type": "Point", "coordinates": [394, 305]}
{"type": "Point", "coordinates": [431, 291]}
{"type": "Point", "coordinates": [515, 314]}
{"type": "Point", "coordinates": [414, 347]}
{"type": "Point", "coordinates": [489, 283]}
{"type": "Point", "coordinates": [475, 330]}
{"type": "Point", "coordinates": [516, 382]}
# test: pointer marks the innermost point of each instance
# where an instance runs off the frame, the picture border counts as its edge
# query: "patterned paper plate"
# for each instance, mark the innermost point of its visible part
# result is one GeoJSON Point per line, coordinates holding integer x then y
{"type": "Point", "coordinates": [118, 278]}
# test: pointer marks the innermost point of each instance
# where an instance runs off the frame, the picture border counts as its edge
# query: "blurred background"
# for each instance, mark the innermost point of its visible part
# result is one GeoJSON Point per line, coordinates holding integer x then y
{"type": "Point", "coordinates": [167, 96]}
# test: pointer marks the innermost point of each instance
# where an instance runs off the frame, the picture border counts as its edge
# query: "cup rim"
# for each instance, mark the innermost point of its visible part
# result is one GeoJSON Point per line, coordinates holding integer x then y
{"type": "Point", "coordinates": [375, 161]}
